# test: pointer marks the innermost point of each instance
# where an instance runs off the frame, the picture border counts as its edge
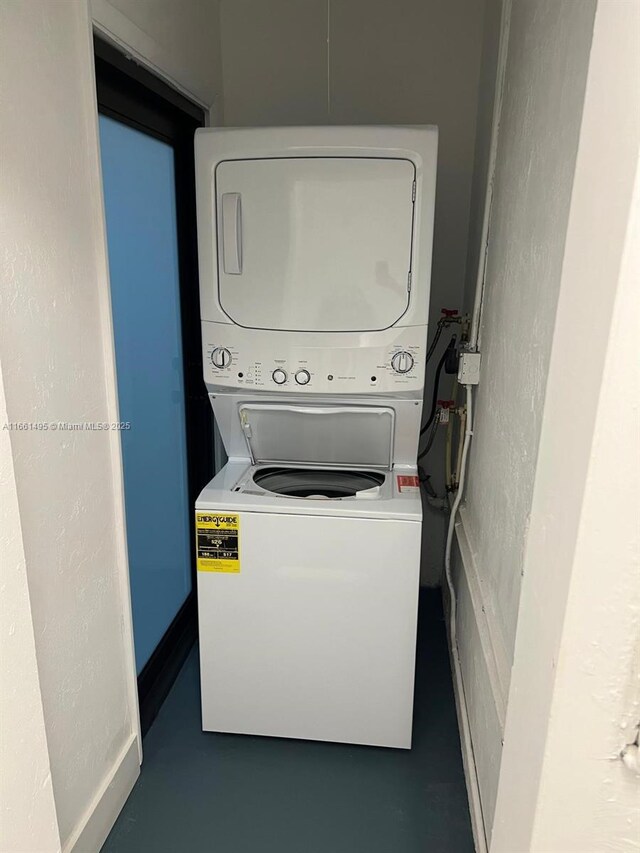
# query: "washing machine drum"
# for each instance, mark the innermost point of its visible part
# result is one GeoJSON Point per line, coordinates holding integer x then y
{"type": "Point", "coordinates": [316, 483]}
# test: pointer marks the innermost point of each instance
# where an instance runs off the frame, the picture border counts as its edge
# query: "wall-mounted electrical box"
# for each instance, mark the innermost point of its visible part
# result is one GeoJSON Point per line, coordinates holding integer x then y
{"type": "Point", "coordinates": [469, 368]}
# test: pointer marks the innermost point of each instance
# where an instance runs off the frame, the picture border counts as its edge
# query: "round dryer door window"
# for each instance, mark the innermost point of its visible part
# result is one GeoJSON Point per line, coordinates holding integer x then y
{"type": "Point", "coordinates": [316, 482]}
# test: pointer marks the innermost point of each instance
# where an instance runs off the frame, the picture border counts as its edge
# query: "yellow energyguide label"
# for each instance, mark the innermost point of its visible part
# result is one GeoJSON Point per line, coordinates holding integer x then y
{"type": "Point", "coordinates": [218, 542]}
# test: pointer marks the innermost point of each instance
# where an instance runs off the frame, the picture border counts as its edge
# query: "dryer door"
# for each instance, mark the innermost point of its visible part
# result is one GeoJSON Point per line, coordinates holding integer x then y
{"type": "Point", "coordinates": [315, 244]}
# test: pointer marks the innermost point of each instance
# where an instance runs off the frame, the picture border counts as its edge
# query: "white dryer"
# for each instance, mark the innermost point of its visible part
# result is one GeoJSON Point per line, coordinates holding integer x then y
{"type": "Point", "coordinates": [315, 255]}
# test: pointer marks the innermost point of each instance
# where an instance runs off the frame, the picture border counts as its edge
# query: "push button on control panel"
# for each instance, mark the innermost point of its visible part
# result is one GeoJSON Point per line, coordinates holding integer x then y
{"type": "Point", "coordinates": [279, 376]}
{"type": "Point", "coordinates": [402, 362]}
{"type": "Point", "coordinates": [303, 377]}
{"type": "Point", "coordinates": [221, 357]}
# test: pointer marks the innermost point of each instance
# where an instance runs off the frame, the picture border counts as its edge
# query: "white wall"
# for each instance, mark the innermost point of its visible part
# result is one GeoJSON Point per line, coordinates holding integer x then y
{"type": "Point", "coordinates": [79, 706]}
{"type": "Point", "coordinates": [27, 810]}
{"type": "Point", "coordinates": [370, 62]}
{"type": "Point", "coordinates": [597, 694]}
{"type": "Point", "coordinates": [539, 121]}
{"type": "Point", "coordinates": [546, 569]}
{"type": "Point", "coordinates": [546, 69]}
{"type": "Point", "coordinates": [574, 700]}
{"type": "Point", "coordinates": [57, 365]}
{"type": "Point", "coordinates": [177, 39]}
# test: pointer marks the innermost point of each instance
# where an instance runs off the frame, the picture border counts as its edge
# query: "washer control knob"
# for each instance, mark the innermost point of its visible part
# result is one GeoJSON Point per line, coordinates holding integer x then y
{"type": "Point", "coordinates": [279, 376]}
{"type": "Point", "coordinates": [221, 357]}
{"type": "Point", "coordinates": [303, 377]}
{"type": "Point", "coordinates": [402, 362]}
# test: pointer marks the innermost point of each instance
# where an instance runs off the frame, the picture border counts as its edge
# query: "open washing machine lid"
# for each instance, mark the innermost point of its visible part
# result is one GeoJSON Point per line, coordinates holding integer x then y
{"type": "Point", "coordinates": [333, 436]}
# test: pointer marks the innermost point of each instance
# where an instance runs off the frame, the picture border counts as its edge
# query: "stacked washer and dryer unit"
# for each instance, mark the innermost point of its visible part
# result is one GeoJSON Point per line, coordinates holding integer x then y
{"type": "Point", "coordinates": [315, 262]}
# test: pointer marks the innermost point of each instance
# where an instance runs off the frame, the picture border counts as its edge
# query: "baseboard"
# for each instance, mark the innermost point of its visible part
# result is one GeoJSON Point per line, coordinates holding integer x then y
{"type": "Point", "coordinates": [481, 681]}
{"type": "Point", "coordinates": [468, 759]}
{"type": "Point", "coordinates": [162, 668]}
{"type": "Point", "coordinates": [97, 821]}
{"type": "Point", "coordinates": [493, 647]}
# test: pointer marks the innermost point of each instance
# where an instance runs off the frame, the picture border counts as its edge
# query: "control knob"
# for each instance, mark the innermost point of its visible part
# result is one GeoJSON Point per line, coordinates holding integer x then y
{"type": "Point", "coordinates": [221, 357]}
{"type": "Point", "coordinates": [303, 377]}
{"type": "Point", "coordinates": [279, 376]}
{"type": "Point", "coordinates": [402, 362]}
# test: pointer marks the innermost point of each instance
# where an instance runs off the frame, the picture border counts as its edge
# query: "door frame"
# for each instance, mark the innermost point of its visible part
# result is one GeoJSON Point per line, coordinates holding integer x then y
{"type": "Point", "coordinates": [135, 97]}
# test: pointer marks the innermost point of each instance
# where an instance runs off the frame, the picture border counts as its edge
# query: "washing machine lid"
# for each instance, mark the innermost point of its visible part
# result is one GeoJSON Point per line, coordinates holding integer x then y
{"type": "Point", "coordinates": [315, 244]}
{"type": "Point", "coordinates": [339, 436]}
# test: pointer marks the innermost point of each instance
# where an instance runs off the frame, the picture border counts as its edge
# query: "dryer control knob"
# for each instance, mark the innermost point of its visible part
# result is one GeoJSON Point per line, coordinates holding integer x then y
{"type": "Point", "coordinates": [279, 376]}
{"type": "Point", "coordinates": [303, 377]}
{"type": "Point", "coordinates": [402, 362]}
{"type": "Point", "coordinates": [221, 357]}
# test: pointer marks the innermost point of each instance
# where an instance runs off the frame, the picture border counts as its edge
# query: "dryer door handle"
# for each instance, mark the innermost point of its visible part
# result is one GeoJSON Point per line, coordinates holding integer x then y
{"type": "Point", "coordinates": [232, 233]}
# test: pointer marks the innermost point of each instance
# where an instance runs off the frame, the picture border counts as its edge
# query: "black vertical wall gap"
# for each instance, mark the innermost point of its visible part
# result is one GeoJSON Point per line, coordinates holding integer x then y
{"type": "Point", "coordinates": [134, 96]}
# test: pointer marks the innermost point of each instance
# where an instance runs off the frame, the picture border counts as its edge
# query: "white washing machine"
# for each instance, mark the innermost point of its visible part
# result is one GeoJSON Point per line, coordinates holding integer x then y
{"type": "Point", "coordinates": [315, 256]}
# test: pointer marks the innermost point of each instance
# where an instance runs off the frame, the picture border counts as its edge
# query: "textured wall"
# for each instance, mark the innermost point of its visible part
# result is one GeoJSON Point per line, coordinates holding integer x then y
{"type": "Point", "coordinates": [55, 348]}
{"type": "Point", "coordinates": [574, 698]}
{"type": "Point", "coordinates": [547, 47]}
{"type": "Point", "coordinates": [27, 810]}
{"type": "Point", "coordinates": [544, 89]}
{"type": "Point", "coordinates": [371, 62]}
{"type": "Point", "coordinates": [179, 39]}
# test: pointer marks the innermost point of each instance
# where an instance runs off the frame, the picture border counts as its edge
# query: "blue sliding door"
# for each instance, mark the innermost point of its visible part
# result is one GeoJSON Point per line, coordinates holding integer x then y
{"type": "Point", "coordinates": [139, 192]}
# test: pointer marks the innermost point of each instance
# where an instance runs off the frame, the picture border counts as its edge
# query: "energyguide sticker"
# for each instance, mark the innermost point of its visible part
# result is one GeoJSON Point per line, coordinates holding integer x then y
{"type": "Point", "coordinates": [218, 542]}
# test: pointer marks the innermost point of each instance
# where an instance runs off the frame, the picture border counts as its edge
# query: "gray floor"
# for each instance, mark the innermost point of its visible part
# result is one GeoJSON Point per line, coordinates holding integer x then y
{"type": "Point", "coordinates": [211, 793]}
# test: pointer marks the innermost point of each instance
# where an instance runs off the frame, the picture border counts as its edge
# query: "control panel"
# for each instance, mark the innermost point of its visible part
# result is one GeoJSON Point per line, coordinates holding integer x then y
{"type": "Point", "coordinates": [374, 362]}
